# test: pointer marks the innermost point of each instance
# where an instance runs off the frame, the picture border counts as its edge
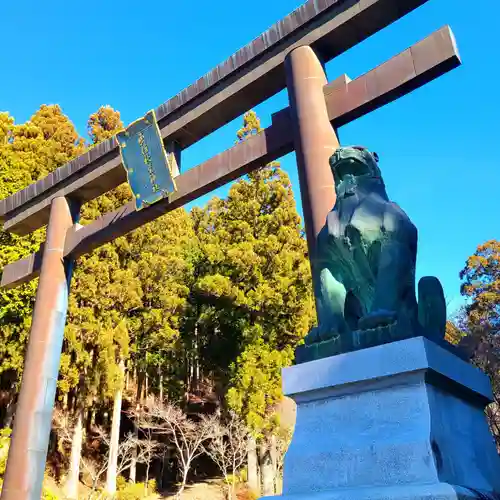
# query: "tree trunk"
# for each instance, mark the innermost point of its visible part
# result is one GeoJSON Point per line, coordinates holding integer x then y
{"type": "Point", "coordinates": [114, 439]}
{"type": "Point", "coordinates": [91, 418]}
{"type": "Point", "coordinates": [9, 413]}
{"type": "Point", "coordinates": [183, 484]}
{"type": "Point", "coordinates": [132, 476]}
{"type": "Point", "coordinates": [279, 484]}
{"type": "Point", "coordinates": [273, 451]}
{"type": "Point", "coordinates": [70, 401]}
{"type": "Point", "coordinates": [163, 460]}
{"type": "Point", "coordinates": [138, 402]}
{"type": "Point", "coordinates": [196, 363]}
{"type": "Point", "coordinates": [253, 466]}
{"type": "Point", "coordinates": [71, 486]}
{"type": "Point", "coordinates": [133, 462]}
{"type": "Point", "coordinates": [65, 402]}
{"type": "Point", "coordinates": [146, 482]}
{"type": "Point", "coordinates": [161, 386]}
{"type": "Point", "coordinates": [140, 381]}
{"type": "Point", "coordinates": [266, 469]}
{"type": "Point", "coordinates": [191, 371]}
{"type": "Point", "coordinates": [232, 489]}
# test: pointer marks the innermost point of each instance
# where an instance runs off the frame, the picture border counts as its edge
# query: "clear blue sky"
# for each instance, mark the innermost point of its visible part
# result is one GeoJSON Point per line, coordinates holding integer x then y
{"type": "Point", "coordinates": [436, 145]}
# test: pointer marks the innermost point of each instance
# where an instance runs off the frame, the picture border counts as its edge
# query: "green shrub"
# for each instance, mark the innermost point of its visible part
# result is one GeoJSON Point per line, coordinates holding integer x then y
{"type": "Point", "coordinates": [152, 486]}
{"type": "Point", "coordinates": [4, 448]}
{"type": "Point", "coordinates": [243, 473]}
{"type": "Point", "coordinates": [48, 495]}
{"type": "Point", "coordinates": [121, 483]}
{"type": "Point", "coordinates": [136, 491]}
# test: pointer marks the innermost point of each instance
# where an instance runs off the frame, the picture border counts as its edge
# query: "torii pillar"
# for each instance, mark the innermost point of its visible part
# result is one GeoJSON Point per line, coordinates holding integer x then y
{"type": "Point", "coordinates": [400, 421]}
{"type": "Point", "coordinates": [315, 139]}
{"type": "Point", "coordinates": [33, 419]}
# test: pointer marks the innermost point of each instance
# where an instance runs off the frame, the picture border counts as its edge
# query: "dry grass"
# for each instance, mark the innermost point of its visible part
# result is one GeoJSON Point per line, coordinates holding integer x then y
{"type": "Point", "coordinates": [208, 490]}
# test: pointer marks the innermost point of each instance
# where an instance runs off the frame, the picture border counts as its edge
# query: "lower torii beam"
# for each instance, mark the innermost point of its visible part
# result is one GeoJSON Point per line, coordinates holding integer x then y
{"type": "Point", "coordinates": [345, 101]}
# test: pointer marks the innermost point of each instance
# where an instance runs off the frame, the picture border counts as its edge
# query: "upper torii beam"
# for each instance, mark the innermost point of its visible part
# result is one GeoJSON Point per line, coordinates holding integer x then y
{"type": "Point", "coordinates": [247, 78]}
{"type": "Point", "coordinates": [346, 101]}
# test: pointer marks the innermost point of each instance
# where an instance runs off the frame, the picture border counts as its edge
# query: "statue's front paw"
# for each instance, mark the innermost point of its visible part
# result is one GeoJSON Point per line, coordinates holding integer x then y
{"type": "Point", "coordinates": [325, 332]}
{"type": "Point", "coordinates": [313, 337]}
{"type": "Point", "coordinates": [377, 319]}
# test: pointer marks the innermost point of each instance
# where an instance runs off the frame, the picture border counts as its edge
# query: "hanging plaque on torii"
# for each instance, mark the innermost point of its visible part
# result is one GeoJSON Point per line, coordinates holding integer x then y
{"type": "Point", "coordinates": [150, 170]}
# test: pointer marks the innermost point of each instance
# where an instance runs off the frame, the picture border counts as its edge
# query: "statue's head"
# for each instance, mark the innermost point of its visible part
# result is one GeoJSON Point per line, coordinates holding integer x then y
{"type": "Point", "coordinates": [353, 166]}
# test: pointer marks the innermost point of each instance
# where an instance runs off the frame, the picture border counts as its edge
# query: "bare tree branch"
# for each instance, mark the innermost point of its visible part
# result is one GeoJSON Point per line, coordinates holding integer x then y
{"type": "Point", "coordinates": [125, 451]}
{"type": "Point", "coordinates": [186, 435]}
{"type": "Point", "coordinates": [227, 446]}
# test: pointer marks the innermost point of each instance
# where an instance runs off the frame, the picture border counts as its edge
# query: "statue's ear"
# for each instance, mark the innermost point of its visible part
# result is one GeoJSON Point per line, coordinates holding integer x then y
{"type": "Point", "coordinates": [375, 155]}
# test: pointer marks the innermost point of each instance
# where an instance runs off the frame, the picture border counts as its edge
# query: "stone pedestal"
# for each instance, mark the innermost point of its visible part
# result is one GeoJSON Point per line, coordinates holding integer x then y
{"type": "Point", "coordinates": [400, 421]}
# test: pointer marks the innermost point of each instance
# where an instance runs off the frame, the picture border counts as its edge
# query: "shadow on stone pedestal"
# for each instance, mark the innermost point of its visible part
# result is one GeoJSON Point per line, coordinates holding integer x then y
{"type": "Point", "coordinates": [404, 421]}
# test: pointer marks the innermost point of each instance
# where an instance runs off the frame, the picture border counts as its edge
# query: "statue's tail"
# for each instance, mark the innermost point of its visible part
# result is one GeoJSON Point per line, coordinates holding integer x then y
{"type": "Point", "coordinates": [431, 306]}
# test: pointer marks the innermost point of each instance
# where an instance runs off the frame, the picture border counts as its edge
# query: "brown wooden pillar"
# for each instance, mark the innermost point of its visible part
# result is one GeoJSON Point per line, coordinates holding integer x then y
{"type": "Point", "coordinates": [173, 148]}
{"type": "Point", "coordinates": [32, 423]}
{"type": "Point", "coordinates": [314, 138]}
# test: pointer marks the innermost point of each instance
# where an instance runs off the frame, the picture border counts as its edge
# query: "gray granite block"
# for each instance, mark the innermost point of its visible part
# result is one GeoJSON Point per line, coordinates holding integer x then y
{"type": "Point", "coordinates": [399, 421]}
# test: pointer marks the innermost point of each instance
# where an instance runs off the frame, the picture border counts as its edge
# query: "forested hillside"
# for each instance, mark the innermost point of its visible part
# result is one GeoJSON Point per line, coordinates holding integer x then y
{"type": "Point", "coordinates": [177, 332]}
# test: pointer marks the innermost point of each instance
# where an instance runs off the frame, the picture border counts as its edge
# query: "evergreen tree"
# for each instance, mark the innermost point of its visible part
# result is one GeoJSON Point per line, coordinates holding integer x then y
{"type": "Point", "coordinates": [222, 295]}
{"type": "Point", "coordinates": [161, 255]}
{"type": "Point", "coordinates": [127, 302]}
{"type": "Point", "coordinates": [103, 124]}
{"type": "Point", "coordinates": [28, 152]}
{"type": "Point", "coordinates": [253, 286]}
{"type": "Point", "coordinates": [97, 339]}
{"type": "Point", "coordinates": [480, 319]}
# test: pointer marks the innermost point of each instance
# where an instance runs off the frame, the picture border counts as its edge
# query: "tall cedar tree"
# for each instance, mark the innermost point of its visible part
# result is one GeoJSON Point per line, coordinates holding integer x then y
{"type": "Point", "coordinates": [253, 287]}
{"type": "Point", "coordinates": [127, 301]}
{"type": "Point", "coordinates": [28, 152]}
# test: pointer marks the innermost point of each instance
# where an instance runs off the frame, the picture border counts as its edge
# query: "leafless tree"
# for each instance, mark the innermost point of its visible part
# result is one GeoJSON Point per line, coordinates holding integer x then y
{"type": "Point", "coordinates": [125, 452]}
{"type": "Point", "coordinates": [186, 435]}
{"type": "Point", "coordinates": [95, 470]}
{"type": "Point", "coordinates": [227, 446]}
{"type": "Point", "coordinates": [62, 425]}
{"type": "Point", "coordinates": [148, 448]}
{"type": "Point", "coordinates": [283, 439]}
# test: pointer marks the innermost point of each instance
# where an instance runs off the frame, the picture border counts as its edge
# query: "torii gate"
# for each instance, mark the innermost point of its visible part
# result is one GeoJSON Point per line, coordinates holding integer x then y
{"type": "Point", "coordinates": [290, 54]}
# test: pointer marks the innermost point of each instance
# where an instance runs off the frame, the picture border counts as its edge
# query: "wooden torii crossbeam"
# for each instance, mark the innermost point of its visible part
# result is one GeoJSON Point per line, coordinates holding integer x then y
{"type": "Point", "coordinates": [346, 100]}
{"type": "Point", "coordinates": [247, 78]}
{"type": "Point", "coordinates": [284, 56]}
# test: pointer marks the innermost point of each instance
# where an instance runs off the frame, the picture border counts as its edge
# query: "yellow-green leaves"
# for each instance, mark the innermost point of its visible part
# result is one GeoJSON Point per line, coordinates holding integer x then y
{"type": "Point", "coordinates": [103, 124]}
{"type": "Point", "coordinates": [253, 288]}
{"type": "Point", "coordinates": [28, 152]}
{"type": "Point", "coordinates": [481, 284]}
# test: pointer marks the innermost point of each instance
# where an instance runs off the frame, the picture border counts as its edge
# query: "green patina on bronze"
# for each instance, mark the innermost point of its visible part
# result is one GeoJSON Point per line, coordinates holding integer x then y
{"type": "Point", "coordinates": [364, 268]}
{"type": "Point", "coordinates": [149, 170]}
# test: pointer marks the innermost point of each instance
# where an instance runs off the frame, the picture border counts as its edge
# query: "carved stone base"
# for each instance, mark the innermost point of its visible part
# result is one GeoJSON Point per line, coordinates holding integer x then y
{"type": "Point", "coordinates": [435, 491]}
{"type": "Point", "coordinates": [404, 420]}
{"type": "Point", "coordinates": [360, 339]}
